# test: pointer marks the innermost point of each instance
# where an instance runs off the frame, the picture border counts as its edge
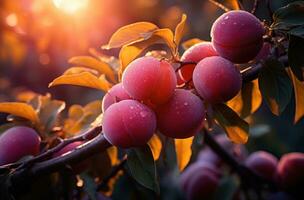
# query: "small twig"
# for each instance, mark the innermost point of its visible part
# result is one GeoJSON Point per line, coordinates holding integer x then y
{"type": "Point", "coordinates": [182, 64]}
{"type": "Point", "coordinates": [82, 137]}
{"type": "Point", "coordinates": [247, 176]}
{"type": "Point", "coordinates": [221, 6]}
{"type": "Point", "coordinates": [255, 5]}
{"type": "Point", "coordinates": [112, 174]}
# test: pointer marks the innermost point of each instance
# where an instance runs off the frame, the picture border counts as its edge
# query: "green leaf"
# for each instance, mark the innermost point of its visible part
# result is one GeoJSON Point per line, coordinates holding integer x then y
{"type": "Point", "coordinates": [290, 17]}
{"type": "Point", "coordinates": [236, 128]}
{"type": "Point", "coordinates": [142, 167]}
{"type": "Point", "coordinates": [227, 188]}
{"type": "Point", "coordinates": [295, 56]}
{"type": "Point", "coordinates": [275, 86]}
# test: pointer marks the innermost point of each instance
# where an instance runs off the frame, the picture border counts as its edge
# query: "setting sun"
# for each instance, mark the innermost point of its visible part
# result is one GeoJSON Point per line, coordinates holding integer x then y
{"type": "Point", "coordinates": [71, 6]}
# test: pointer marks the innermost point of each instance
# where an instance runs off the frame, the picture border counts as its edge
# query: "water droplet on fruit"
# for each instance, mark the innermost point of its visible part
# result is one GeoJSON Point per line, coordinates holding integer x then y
{"type": "Point", "coordinates": [186, 103]}
{"type": "Point", "coordinates": [143, 113]}
{"type": "Point", "coordinates": [227, 17]}
{"type": "Point", "coordinates": [131, 107]}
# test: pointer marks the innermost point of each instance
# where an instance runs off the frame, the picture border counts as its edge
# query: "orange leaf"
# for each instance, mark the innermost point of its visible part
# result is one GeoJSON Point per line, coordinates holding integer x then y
{"type": "Point", "coordinates": [187, 44]}
{"type": "Point", "coordinates": [92, 63]}
{"type": "Point", "coordinates": [180, 30]}
{"type": "Point", "coordinates": [21, 110]}
{"type": "Point", "coordinates": [183, 151]}
{"type": "Point", "coordinates": [155, 146]}
{"type": "Point", "coordinates": [298, 88]}
{"type": "Point", "coordinates": [84, 79]}
{"type": "Point", "coordinates": [130, 33]}
{"type": "Point", "coordinates": [248, 100]}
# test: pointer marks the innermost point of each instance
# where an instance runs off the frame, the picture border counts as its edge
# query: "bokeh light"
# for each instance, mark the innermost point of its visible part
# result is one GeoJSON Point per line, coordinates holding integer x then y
{"type": "Point", "coordinates": [71, 6]}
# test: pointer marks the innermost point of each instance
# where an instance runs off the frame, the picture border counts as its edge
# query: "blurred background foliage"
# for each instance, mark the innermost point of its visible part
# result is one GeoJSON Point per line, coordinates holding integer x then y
{"type": "Point", "coordinates": [37, 37]}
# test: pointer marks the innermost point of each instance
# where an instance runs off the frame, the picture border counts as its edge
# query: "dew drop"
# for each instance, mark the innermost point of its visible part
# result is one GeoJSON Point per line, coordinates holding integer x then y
{"type": "Point", "coordinates": [186, 104]}
{"type": "Point", "coordinates": [143, 113]}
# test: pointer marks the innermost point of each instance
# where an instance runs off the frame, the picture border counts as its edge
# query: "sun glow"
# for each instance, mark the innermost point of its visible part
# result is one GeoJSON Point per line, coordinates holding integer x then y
{"type": "Point", "coordinates": [71, 6]}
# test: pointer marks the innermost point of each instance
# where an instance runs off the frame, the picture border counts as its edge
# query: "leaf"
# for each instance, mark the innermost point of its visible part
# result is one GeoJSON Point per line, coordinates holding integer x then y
{"type": "Point", "coordinates": [113, 155]}
{"type": "Point", "coordinates": [48, 111]}
{"type": "Point", "coordinates": [92, 63]}
{"type": "Point", "coordinates": [290, 17]}
{"type": "Point", "coordinates": [183, 151]}
{"type": "Point", "coordinates": [189, 43]}
{"type": "Point", "coordinates": [128, 53]}
{"type": "Point", "coordinates": [298, 88]}
{"type": "Point", "coordinates": [248, 100]}
{"type": "Point", "coordinates": [84, 79]}
{"type": "Point", "coordinates": [25, 96]}
{"type": "Point", "coordinates": [142, 167]}
{"type": "Point", "coordinates": [130, 33]}
{"type": "Point", "coordinates": [236, 128]}
{"type": "Point", "coordinates": [180, 30]}
{"type": "Point", "coordinates": [21, 110]}
{"type": "Point", "coordinates": [78, 70]}
{"type": "Point", "coordinates": [156, 146]}
{"type": "Point", "coordinates": [295, 56]}
{"type": "Point", "coordinates": [233, 4]}
{"type": "Point", "coordinates": [275, 86]}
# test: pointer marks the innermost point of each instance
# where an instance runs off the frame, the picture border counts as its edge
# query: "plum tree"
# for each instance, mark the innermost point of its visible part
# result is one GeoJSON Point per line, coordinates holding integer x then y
{"type": "Point", "coordinates": [195, 54]}
{"type": "Point", "coordinates": [115, 94]}
{"type": "Point", "coordinates": [128, 123]}
{"type": "Point", "coordinates": [238, 151]}
{"type": "Point", "coordinates": [237, 36]}
{"type": "Point", "coordinates": [79, 167]}
{"type": "Point", "coordinates": [181, 116]}
{"type": "Point", "coordinates": [290, 170]}
{"type": "Point", "coordinates": [149, 79]}
{"type": "Point", "coordinates": [216, 79]}
{"type": "Point", "coordinates": [18, 142]}
{"type": "Point", "coordinates": [200, 180]}
{"type": "Point", "coordinates": [263, 163]}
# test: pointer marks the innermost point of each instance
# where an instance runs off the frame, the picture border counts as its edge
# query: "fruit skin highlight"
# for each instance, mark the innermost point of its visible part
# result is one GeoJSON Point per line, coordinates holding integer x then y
{"type": "Point", "coordinates": [181, 116]}
{"type": "Point", "coordinates": [237, 36]}
{"type": "Point", "coordinates": [195, 54]}
{"type": "Point", "coordinates": [128, 123]}
{"type": "Point", "coordinates": [150, 80]}
{"type": "Point", "coordinates": [115, 94]}
{"type": "Point", "coordinates": [17, 142]}
{"type": "Point", "coordinates": [216, 79]}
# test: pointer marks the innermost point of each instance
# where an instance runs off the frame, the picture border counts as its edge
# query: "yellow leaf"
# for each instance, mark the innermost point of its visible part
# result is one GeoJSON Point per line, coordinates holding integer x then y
{"type": "Point", "coordinates": [180, 30]}
{"type": "Point", "coordinates": [248, 100]}
{"type": "Point", "coordinates": [113, 155]}
{"type": "Point", "coordinates": [25, 96]}
{"type": "Point", "coordinates": [130, 33]}
{"type": "Point", "coordinates": [84, 79]}
{"type": "Point", "coordinates": [155, 146]}
{"type": "Point", "coordinates": [93, 107]}
{"type": "Point", "coordinates": [236, 128]}
{"type": "Point", "coordinates": [187, 44]}
{"type": "Point", "coordinates": [298, 88]}
{"type": "Point", "coordinates": [233, 4]}
{"type": "Point", "coordinates": [20, 109]}
{"type": "Point", "coordinates": [75, 112]}
{"type": "Point", "coordinates": [78, 70]}
{"type": "Point", "coordinates": [92, 63]}
{"type": "Point", "coordinates": [129, 52]}
{"type": "Point", "coordinates": [183, 151]}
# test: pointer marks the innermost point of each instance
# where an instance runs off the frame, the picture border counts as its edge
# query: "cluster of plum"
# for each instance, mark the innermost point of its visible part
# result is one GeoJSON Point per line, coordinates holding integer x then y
{"type": "Point", "coordinates": [20, 142]}
{"type": "Point", "coordinates": [201, 179]}
{"type": "Point", "coordinates": [148, 97]}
